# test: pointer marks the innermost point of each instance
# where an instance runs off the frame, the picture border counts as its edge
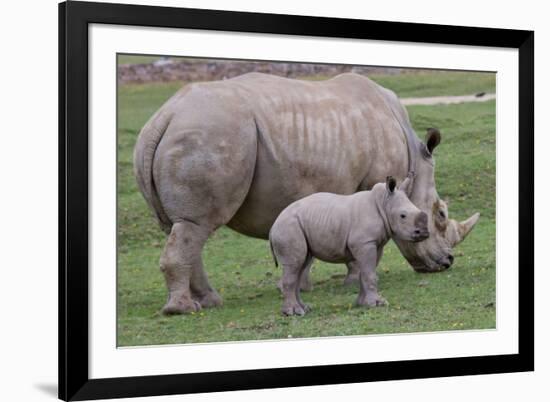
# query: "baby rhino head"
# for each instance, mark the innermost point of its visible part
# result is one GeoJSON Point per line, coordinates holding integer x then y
{"type": "Point", "coordinates": [407, 222]}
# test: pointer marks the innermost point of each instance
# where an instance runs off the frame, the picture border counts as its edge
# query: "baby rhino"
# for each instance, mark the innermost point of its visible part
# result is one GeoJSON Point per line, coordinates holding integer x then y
{"type": "Point", "coordinates": [351, 229]}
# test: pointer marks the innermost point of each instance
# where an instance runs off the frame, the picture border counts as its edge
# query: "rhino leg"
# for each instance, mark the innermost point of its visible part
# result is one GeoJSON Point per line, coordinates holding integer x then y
{"type": "Point", "coordinates": [292, 303]}
{"type": "Point", "coordinates": [186, 279]}
{"type": "Point", "coordinates": [352, 278]}
{"type": "Point", "coordinates": [202, 176]}
{"type": "Point", "coordinates": [181, 256]}
{"type": "Point", "coordinates": [290, 248]}
{"type": "Point", "coordinates": [201, 289]}
{"type": "Point", "coordinates": [367, 259]}
{"type": "Point", "coordinates": [306, 285]}
{"type": "Point", "coordinates": [291, 306]}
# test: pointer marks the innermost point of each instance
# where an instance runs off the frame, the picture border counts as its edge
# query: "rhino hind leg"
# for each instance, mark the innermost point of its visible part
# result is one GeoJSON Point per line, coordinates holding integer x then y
{"type": "Point", "coordinates": [305, 269]}
{"type": "Point", "coordinates": [306, 284]}
{"type": "Point", "coordinates": [182, 256]}
{"type": "Point", "coordinates": [201, 290]}
{"type": "Point", "coordinates": [291, 281]}
{"type": "Point", "coordinates": [202, 178]}
{"type": "Point", "coordinates": [292, 303]}
{"type": "Point", "coordinates": [352, 277]}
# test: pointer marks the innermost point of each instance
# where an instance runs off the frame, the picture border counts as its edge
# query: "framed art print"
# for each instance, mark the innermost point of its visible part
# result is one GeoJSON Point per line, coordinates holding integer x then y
{"type": "Point", "coordinates": [259, 200]}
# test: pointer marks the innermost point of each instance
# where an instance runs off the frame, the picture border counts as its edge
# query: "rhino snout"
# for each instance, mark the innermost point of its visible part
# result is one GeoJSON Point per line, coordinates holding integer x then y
{"type": "Point", "coordinates": [421, 227]}
{"type": "Point", "coordinates": [419, 235]}
{"type": "Point", "coordinates": [447, 261]}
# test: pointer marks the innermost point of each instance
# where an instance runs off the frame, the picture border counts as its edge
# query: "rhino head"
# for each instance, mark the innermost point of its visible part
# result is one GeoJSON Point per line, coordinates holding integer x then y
{"type": "Point", "coordinates": [407, 222]}
{"type": "Point", "coordinates": [436, 252]}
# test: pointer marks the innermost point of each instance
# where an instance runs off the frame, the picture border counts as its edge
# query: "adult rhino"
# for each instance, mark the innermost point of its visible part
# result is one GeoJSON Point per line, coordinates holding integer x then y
{"type": "Point", "coordinates": [237, 152]}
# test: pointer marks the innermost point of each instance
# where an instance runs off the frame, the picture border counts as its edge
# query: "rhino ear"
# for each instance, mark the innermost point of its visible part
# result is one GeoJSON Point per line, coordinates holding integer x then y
{"type": "Point", "coordinates": [390, 184]}
{"type": "Point", "coordinates": [433, 138]}
{"type": "Point", "coordinates": [406, 185]}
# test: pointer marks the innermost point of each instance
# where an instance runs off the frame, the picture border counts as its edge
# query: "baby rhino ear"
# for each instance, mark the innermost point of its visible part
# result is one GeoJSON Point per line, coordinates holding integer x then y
{"type": "Point", "coordinates": [390, 184]}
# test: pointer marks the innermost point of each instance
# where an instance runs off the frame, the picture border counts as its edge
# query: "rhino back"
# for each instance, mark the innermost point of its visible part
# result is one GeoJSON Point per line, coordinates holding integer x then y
{"type": "Point", "coordinates": [328, 221]}
{"type": "Point", "coordinates": [334, 136]}
{"type": "Point", "coordinates": [279, 139]}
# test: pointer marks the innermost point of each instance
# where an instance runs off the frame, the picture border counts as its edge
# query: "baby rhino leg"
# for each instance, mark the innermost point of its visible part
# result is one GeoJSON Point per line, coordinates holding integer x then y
{"type": "Point", "coordinates": [305, 279]}
{"type": "Point", "coordinates": [306, 284]}
{"type": "Point", "coordinates": [367, 258]}
{"type": "Point", "coordinates": [290, 249]}
{"type": "Point", "coordinates": [303, 272]}
{"type": "Point", "coordinates": [352, 278]}
{"type": "Point", "coordinates": [292, 304]}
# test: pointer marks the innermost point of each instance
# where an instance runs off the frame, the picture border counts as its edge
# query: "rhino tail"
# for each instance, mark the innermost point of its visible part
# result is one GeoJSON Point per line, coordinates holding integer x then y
{"type": "Point", "coordinates": [273, 253]}
{"type": "Point", "coordinates": [144, 155]}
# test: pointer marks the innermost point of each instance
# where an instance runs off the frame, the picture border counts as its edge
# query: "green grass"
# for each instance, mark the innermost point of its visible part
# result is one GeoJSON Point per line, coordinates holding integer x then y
{"type": "Point", "coordinates": [242, 270]}
{"type": "Point", "coordinates": [422, 83]}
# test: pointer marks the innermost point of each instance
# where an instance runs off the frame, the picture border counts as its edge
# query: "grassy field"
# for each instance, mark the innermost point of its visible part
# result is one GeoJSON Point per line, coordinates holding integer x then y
{"type": "Point", "coordinates": [242, 270]}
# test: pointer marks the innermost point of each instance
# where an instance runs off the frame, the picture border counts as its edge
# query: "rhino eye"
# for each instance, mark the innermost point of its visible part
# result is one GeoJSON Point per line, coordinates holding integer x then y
{"type": "Point", "coordinates": [442, 214]}
{"type": "Point", "coordinates": [403, 216]}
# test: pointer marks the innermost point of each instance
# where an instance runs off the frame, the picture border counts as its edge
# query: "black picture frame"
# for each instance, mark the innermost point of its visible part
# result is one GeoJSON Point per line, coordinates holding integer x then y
{"type": "Point", "coordinates": [74, 18]}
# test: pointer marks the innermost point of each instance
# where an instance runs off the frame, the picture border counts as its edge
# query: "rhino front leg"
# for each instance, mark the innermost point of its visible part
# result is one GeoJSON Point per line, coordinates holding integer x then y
{"type": "Point", "coordinates": [367, 259]}
{"type": "Point", "coordinates": [180, 262]}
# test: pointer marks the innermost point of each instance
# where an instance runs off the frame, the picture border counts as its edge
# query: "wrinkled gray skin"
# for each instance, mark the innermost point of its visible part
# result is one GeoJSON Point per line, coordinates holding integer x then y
{"type": "Point", "coordinates": [343, 229]}
{"type": "Point", "coordinates": [237, 152]}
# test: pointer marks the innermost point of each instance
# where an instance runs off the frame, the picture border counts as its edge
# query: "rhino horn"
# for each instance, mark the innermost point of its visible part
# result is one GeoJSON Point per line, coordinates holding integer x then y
{"type": "Point", "coordinates": [459, 230]}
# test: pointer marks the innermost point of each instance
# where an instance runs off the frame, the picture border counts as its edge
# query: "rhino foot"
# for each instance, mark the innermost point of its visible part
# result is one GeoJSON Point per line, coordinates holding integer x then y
{"type": "Point", "coordinates": [181, 307]}
{"type": "Point", "coordinates": [210, 299]}
{"type": "Point", "coordinates": [371, 301]}
{"type": "Point", "coordinates": [295, 309]}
